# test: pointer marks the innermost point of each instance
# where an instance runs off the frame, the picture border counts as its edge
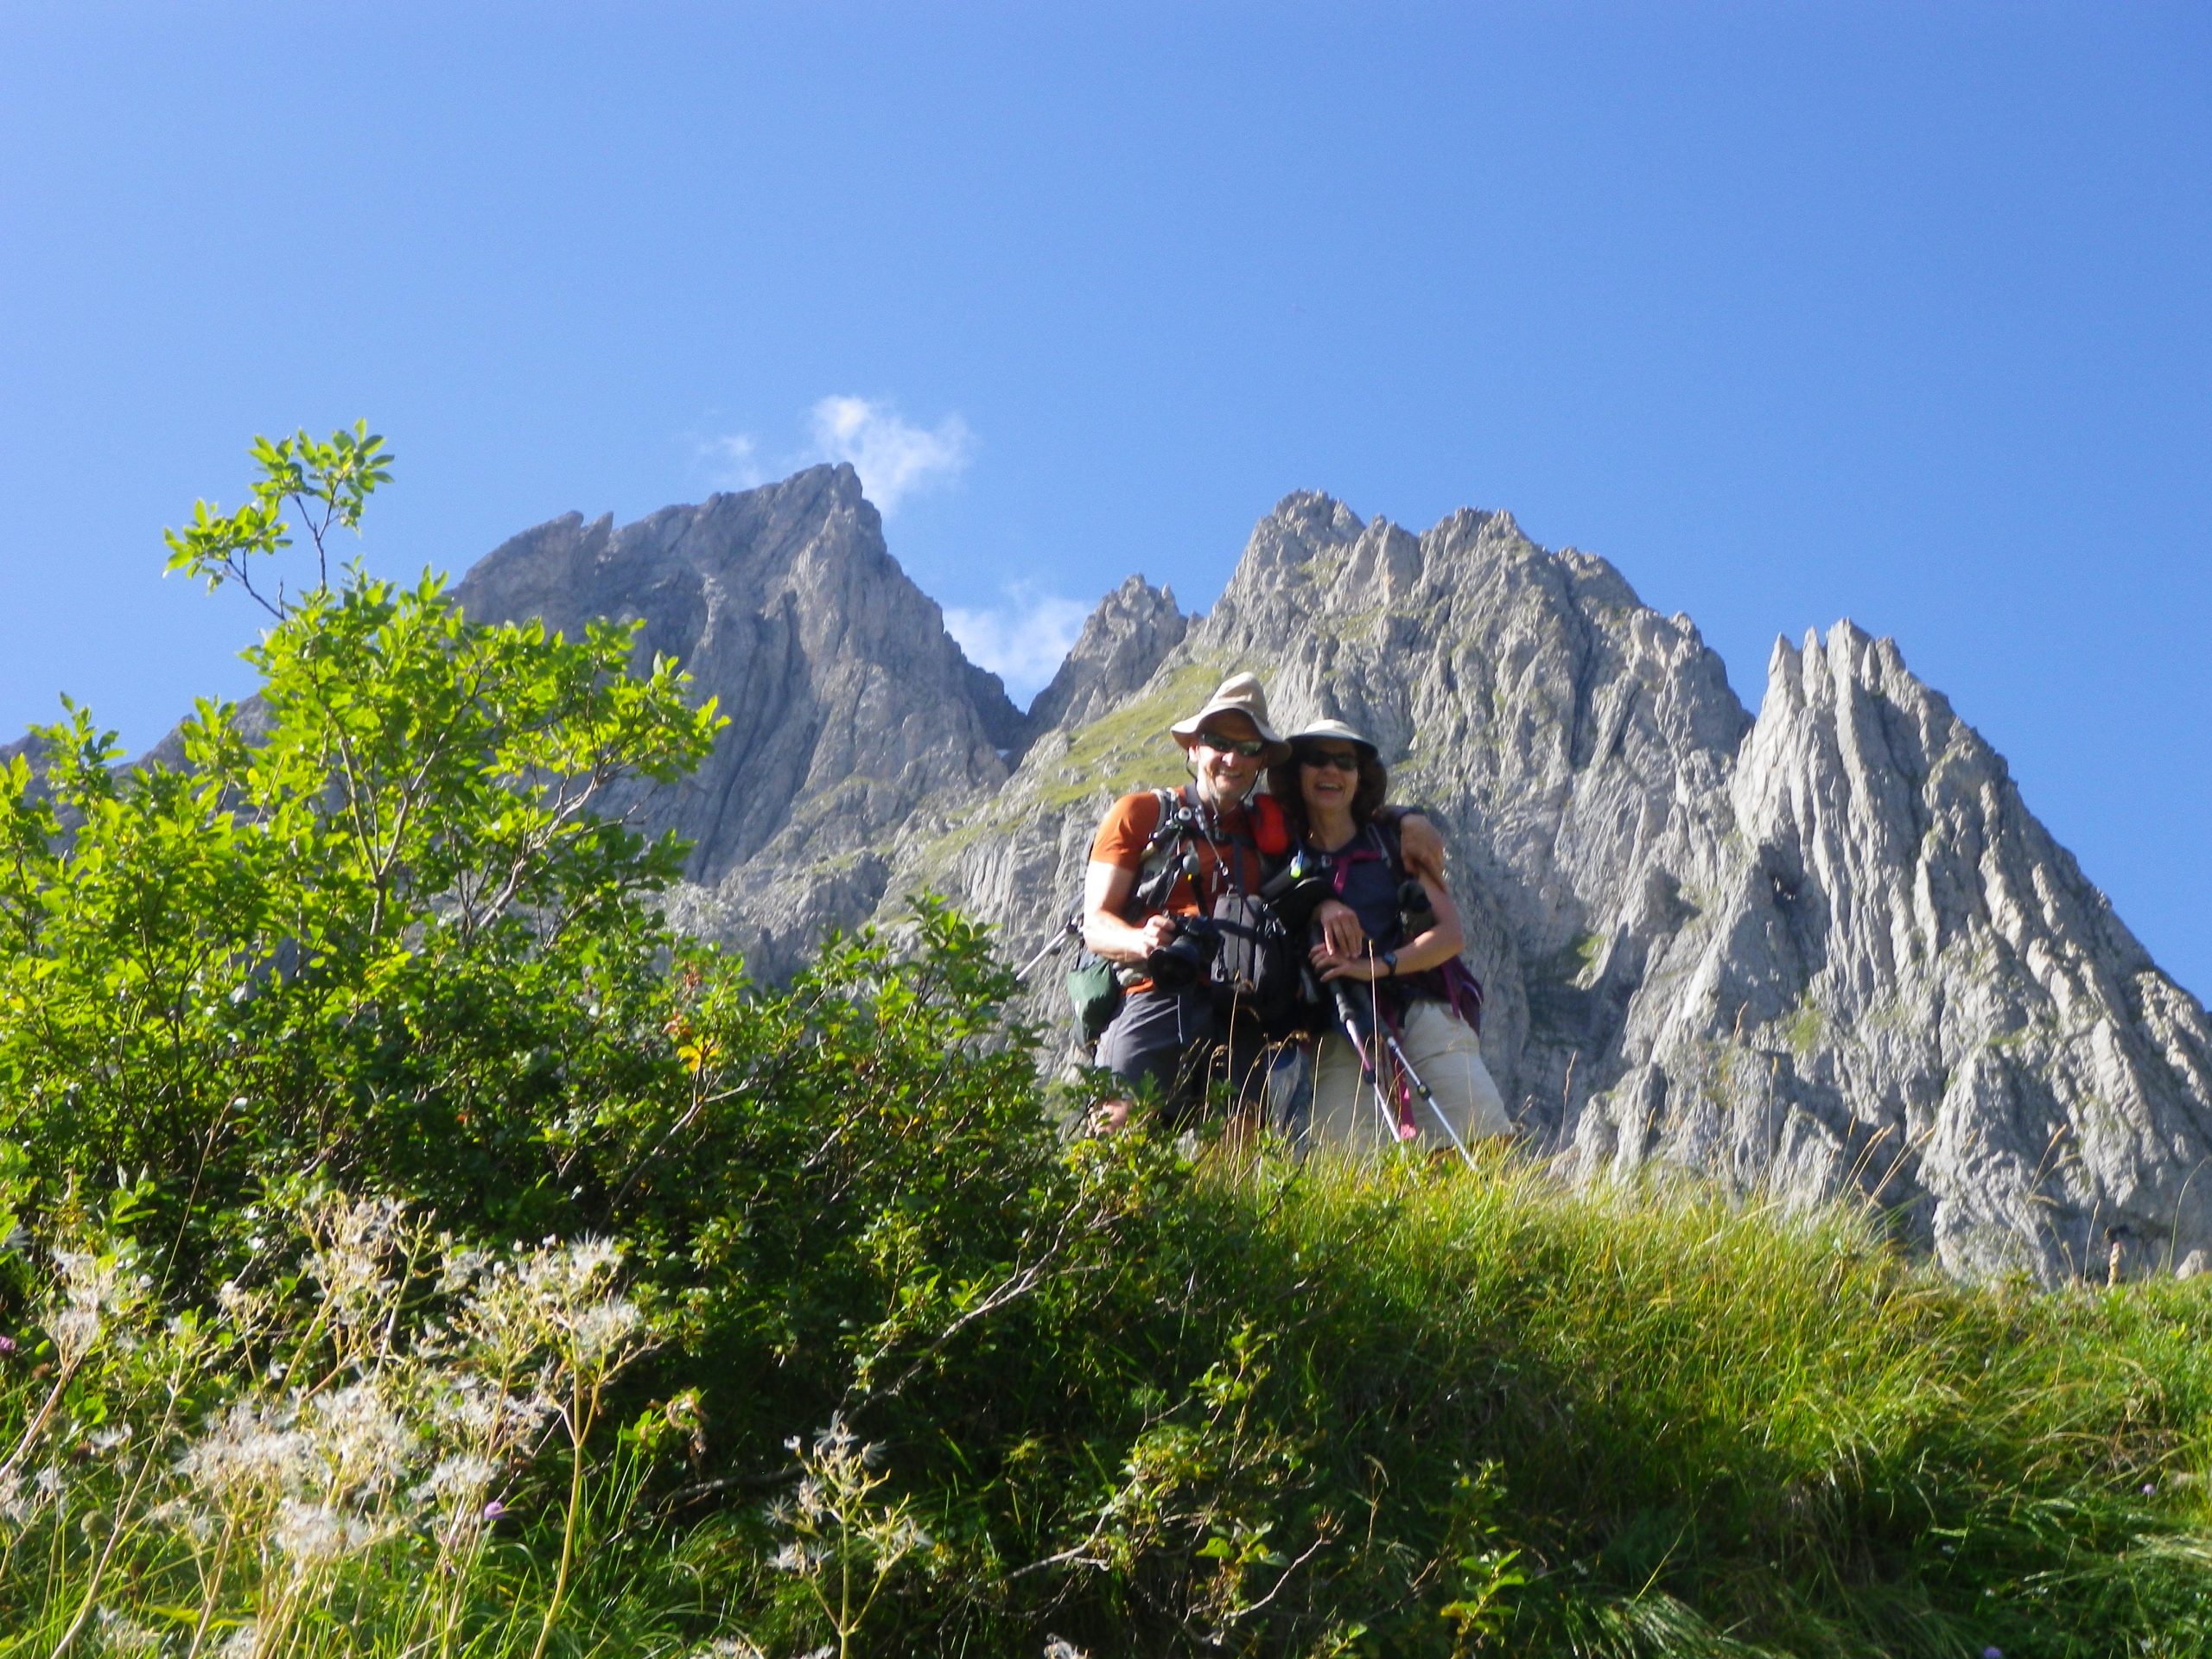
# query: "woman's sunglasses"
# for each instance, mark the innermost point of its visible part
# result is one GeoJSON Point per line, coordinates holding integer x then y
{"type": "Point", "coordinates": [1335, 759]}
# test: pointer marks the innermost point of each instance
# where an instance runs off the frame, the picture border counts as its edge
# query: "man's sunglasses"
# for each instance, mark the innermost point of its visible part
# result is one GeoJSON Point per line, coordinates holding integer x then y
{"type": "Point", "coordinates": [1251, 747]}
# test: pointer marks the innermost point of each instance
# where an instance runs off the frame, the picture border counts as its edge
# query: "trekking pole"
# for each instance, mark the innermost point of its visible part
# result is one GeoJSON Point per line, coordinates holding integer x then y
{"type": "Point", "coordinates": [1068, 930]}
{"type": "Point", "coordinates": [1398, 1053]}
{"type": "Point", "coordinates": [1354, 1023]}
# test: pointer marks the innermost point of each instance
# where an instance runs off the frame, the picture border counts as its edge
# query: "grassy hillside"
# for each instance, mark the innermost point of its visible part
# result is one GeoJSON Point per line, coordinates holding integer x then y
{"type": "Point", "coordinates": [1208, 1408]}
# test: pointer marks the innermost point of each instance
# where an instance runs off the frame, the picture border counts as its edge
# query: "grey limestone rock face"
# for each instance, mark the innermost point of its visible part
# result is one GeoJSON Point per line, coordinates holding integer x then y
{"type": "Point", "coordinates": [847, 702]}
{"type": "Point", "coordinates": [1122, 643]}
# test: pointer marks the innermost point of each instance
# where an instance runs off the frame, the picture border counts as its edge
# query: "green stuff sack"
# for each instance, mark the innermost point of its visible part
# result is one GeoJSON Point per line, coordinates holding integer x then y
{"type": "Point", "coordinates": [1095, 995]}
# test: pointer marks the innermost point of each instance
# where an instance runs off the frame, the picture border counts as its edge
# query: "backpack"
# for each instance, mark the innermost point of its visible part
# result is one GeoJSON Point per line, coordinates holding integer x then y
{"type": "Point", "coordinates": [1258, 965]}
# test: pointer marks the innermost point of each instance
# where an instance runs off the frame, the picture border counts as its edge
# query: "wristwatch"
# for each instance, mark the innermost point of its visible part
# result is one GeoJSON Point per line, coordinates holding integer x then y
{"type": "Point", "coordinates": [1390, 963]}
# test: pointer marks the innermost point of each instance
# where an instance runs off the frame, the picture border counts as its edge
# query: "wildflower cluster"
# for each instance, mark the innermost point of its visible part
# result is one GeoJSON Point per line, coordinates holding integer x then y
{"type": "Point", "coordinates": [322, 1432]}
{"type": "Point", "coordinates": [843, 1543]}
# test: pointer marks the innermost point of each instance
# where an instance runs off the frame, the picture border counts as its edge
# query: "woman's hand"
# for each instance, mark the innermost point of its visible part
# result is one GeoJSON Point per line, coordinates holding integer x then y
{"type": "Point", "coordinates": [1340, 928]}
{"type": "Point", "coordinates": [1341, 964]}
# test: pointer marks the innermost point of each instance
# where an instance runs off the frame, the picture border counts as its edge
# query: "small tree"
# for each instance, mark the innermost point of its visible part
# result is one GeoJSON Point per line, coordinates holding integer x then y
{"type": "Point", "coordinates": [373, 923]}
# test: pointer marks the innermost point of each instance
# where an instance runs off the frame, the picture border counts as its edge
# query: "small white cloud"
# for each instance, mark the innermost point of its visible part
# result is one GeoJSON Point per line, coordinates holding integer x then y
{"type": "Point", "coordinates": [734, 462]}
{"type": "Point", "coordinates": [893, 457]}
{"type": "Point", "coordinates": [1023, 641]}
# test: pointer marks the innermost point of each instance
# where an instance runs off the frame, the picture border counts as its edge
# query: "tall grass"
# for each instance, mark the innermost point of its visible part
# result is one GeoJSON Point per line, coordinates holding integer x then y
{"type": "Point", "coordinates": [1729, 1429]}
{"type": "Point", "coordinates": [360, 1450]}
{"type": "Point", "coordinates": [1289, 1409]}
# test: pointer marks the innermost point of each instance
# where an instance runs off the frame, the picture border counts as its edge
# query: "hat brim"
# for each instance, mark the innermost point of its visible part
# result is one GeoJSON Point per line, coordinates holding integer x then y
{"type": "Point", "coordinates": [1335, 731]}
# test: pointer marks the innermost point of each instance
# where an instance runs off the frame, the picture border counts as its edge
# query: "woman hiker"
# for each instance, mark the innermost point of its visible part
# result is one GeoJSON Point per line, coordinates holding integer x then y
{"type": "Point", "coordinates": [1332, 789]}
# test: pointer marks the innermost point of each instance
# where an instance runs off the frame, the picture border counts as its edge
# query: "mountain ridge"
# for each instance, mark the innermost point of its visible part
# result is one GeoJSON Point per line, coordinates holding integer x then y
{"type": "Point", "coordinates": [1819, 952]}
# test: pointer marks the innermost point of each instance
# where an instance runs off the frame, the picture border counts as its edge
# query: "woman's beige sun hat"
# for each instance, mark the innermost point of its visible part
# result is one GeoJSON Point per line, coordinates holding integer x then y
{"type": "Point", "coordinates": [1338, 730]}
{"type": "Point", "coordinates": [1240, 693]}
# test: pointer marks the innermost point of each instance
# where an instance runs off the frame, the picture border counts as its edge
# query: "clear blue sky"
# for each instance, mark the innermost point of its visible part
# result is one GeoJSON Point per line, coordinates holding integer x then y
{"type": "Point", "coordinates": [1794, 312]}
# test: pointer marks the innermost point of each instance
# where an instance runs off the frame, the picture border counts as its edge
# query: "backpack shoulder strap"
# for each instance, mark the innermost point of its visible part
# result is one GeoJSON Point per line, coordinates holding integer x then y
{"type": "Point", "coordinates": [1167, 829]}
{"type": "Point", "coordinates": [1270, 829]}
{"type": "Point", "coordinates": [1386, 831]}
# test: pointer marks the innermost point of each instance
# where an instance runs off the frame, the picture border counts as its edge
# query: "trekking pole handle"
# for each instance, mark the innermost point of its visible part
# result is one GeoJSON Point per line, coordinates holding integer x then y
{"type": "Point", "coordinates": [1348, 1011]}
{"type": "Point", "coordinates": [1068, 930]}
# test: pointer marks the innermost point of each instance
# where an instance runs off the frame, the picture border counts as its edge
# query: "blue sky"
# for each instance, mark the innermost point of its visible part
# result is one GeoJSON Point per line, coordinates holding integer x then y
{"type": "Point", "coordinates": [1793, 312]}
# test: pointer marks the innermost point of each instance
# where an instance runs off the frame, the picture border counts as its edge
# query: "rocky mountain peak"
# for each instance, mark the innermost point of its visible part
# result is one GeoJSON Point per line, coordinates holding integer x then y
{"type": "Point", "coordinates": [2047, 1086]}
{"type": "Point", "coordinates": [848, 703]}
{"type": "Point", "coordinates": [1122, 642]}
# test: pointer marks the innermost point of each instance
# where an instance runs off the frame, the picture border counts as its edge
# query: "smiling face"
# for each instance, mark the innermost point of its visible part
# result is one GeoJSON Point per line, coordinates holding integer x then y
{"type": "Point", "coordinates": [1224, 776]}
{"type": "Point", "coordinates": [1328, 777]}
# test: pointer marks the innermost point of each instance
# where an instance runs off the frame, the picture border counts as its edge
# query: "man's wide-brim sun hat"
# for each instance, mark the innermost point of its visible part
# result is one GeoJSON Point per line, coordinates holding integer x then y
{"type": "Point", "coordinates": [1337, 729]}
{"type": "Point", "coordinates": [1240, 693]}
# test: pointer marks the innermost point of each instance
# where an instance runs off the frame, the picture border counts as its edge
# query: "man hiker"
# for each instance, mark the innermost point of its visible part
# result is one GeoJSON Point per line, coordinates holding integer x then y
{"type": "Point", "coordinates": [1178, 1028]}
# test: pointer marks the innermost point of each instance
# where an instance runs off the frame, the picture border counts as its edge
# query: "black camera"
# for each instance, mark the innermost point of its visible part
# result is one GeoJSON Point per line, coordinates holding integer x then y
{"type": "Point", "coordinates": [1185, 958]}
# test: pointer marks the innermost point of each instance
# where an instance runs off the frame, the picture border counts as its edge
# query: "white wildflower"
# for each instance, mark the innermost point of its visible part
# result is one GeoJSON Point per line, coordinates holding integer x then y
{"type": "Point", "coordinates": [728, 1647]}
{"type": "Point", "coordinates": [357, 1238]}
{"type": "Point", "coordinates": [49, 1482]}
{"type": "Point", "coordinates": [96, 1291]}
{"type": "Point", "coordinates": [811, 1504]}
{"type": "Point", "coordinates": [240, 1307]}
{"type": "Point", "coordinates": [178, 1516]}
{"type": "Point", "coordinates": [897, 1536]}
{"type": "Point", "coordinates": [93, 1290]}
{"type": "Point", "coordinates": [795, 1558]}
{"type": "Point", "coordinates": [835, 1442]}
{"type": "Point", "coordinates": [1058, 1647]}
{"type": "Point", "coordinates": [314, 1534]}
{"type": "Point", "coordinates": [250, 1450]}
{"type": "Point", "coordinates": [243, 1643]}
{"type": "Point", "coordinates": [461, 1269]}
{"type": "Point", "coordinates": [76, 1333]}
{"type": "Point", "coordinates": [493, 1416]}
{"type": "Point", "coordinates": [107, 1439]}
{"type": "Point", "coordinates": [464, 1477]}
{"type": "Point", "coordinates": [603, 1331]}
{"type": "Point", "coordinates": [557, 1299]}
{"type": "Point", "coordinates": [125, 1635]}
{"type": "Point", "coordinates": [360, 1438]}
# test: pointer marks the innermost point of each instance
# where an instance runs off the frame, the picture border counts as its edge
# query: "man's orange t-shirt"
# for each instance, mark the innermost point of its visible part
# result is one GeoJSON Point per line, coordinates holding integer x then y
{"type": "Point", "coordinates": [1128, 831]}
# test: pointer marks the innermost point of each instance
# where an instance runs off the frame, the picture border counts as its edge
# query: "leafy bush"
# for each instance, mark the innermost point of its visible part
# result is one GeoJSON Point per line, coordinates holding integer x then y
{"type": "Point", "coordinates": [369, 924]}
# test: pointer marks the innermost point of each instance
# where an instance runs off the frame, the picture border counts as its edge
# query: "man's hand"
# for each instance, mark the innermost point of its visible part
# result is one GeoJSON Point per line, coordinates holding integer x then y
{"type": "Point", "coordinates": [1157, 931]}
{"type": "Point", "coordinates": [1422, 847]}
{"type": "Point", "coordinates": [1106, 888]}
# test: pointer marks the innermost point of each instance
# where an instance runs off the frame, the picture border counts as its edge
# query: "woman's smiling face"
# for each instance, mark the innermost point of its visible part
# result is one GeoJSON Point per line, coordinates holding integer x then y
{"type": "Point", "coordinates": [1328, 777]}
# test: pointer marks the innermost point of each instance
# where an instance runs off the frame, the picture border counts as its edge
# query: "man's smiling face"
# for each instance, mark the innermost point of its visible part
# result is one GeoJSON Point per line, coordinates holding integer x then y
{"type": "Point", "coordinates": [1225, 776]}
